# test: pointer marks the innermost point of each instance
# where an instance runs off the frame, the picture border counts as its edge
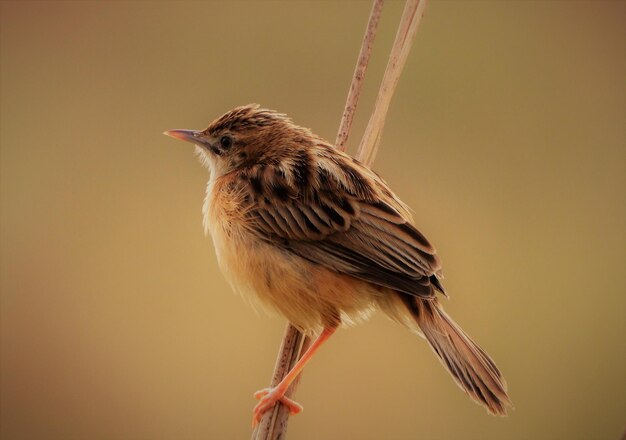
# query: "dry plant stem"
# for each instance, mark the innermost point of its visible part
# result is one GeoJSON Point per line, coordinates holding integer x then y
{"type": "Point", "coordinates": [411, 17]}
{"type": "Point", "coordinates": [273, 425]}
{"type": "Point", "coordinates": [359, 75]}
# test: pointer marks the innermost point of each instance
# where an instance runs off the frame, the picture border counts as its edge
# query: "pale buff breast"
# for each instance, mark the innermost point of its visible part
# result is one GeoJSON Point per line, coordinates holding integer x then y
{"type": "Point", "coordinates": [308, 295]}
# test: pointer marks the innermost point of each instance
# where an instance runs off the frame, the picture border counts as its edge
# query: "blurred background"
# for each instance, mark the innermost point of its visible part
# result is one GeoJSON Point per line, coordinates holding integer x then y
{"type": "Point", "coordinates": [506, 135]}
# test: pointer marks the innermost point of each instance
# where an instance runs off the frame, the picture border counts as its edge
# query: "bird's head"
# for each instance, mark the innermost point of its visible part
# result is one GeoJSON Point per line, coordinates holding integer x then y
{"type": "Point", "coordinates": [242, 137]}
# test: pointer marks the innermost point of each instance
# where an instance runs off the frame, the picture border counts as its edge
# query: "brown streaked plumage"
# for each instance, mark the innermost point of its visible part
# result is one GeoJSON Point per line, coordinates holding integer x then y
{"type": "Point", "coordinates": [308, 231]}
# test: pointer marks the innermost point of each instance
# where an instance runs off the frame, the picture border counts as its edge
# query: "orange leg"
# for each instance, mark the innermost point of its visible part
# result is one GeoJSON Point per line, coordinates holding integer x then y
{"type": "Point", "coordinates": [269, 396]}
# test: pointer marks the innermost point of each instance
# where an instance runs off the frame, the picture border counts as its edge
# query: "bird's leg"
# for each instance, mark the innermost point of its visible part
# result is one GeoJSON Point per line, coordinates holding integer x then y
{"type": "Point", "coordinates": [269, 396]}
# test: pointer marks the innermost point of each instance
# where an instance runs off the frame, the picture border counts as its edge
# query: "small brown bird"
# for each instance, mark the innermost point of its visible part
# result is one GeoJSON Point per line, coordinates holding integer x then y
{"type": "Point", "coordinates": [320, 238]}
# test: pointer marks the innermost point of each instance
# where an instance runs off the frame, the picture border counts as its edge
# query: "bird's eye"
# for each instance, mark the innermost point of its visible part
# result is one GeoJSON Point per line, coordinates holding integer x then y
{"type": "Point", "coordinates": [226, 141]}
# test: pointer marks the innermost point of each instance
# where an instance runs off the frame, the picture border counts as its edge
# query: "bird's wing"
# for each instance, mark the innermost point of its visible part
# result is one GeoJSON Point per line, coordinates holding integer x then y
{"type": "Point", "coordinates": [339, 214]}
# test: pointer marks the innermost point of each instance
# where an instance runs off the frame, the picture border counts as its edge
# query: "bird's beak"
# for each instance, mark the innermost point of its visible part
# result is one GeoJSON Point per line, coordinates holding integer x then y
{"type": "Point", "coordinates": [185, 135]}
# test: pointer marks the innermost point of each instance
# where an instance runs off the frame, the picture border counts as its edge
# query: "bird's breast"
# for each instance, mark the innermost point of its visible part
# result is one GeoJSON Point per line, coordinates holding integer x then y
{"type": "Point", "coordinates": [268, 275]}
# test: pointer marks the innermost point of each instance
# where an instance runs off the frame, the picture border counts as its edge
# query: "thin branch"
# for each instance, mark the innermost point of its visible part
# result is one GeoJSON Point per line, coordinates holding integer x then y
{"type": "Point", "coordinates": [359, 75]}
{"type": "Point", "coordinates": [411, 17]}
{"type": "Point", "coordinates": [273, 425]}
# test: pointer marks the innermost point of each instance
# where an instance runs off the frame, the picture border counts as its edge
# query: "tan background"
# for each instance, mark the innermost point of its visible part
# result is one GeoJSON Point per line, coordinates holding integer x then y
{"type": "Point", "coordinates": [507, 137]}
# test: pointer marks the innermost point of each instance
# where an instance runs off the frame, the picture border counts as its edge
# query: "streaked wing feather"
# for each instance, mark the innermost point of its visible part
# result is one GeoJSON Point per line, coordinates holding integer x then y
{"type": "Point", "coordinates": [347, 223]}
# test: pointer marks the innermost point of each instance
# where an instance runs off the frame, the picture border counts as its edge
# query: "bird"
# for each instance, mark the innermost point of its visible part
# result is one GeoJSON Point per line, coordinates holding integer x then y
{"type": "Point", "coordinates": [304, 229]}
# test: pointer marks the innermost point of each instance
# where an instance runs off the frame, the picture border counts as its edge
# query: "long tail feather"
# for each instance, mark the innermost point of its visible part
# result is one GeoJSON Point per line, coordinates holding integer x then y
{"type": "Point", "coordinates": [472, 368]}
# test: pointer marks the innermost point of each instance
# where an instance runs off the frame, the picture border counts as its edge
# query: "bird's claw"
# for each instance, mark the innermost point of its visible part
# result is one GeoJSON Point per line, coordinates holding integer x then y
{"type": "Point", "coordinates": [268, 398]}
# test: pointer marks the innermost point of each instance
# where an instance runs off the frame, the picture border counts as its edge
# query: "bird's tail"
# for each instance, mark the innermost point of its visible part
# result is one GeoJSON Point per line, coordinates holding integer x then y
{"type": "Point", "coordinates": [472, 368]}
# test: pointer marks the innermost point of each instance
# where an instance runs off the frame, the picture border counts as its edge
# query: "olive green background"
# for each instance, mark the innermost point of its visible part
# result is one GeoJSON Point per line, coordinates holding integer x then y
{"type": "Point", "coordinates": [507, 136]}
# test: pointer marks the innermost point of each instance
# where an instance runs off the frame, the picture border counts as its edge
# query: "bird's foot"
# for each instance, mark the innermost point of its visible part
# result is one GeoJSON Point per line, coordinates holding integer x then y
{"type": "Point", "coordinates": [268, 398]}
